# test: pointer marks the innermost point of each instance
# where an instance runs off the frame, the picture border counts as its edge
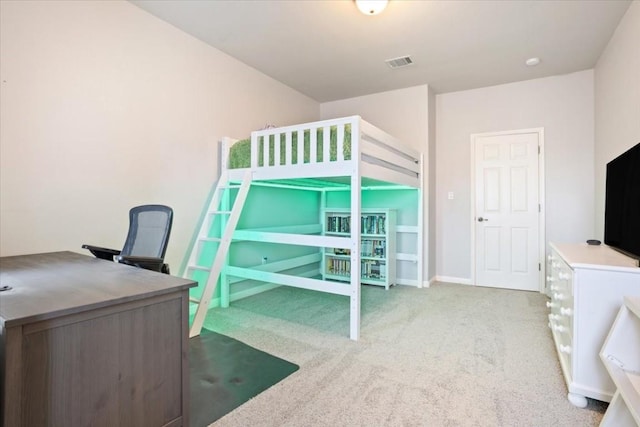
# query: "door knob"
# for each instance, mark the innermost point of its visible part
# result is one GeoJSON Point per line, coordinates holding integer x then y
{"type": "Point", "coordinates": [480, 219]}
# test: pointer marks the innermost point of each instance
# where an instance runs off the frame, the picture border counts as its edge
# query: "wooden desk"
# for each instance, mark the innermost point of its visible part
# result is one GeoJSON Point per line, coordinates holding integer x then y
{"type": "Point", "coordinates": [86, 342]}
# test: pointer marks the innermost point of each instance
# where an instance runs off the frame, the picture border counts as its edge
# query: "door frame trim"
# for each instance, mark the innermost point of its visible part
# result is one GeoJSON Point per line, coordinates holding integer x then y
{"type": "Point", "coordinates": [541, 200]}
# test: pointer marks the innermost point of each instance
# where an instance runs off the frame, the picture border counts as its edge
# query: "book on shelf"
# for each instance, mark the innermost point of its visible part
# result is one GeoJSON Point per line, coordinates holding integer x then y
{"type": "Point", "coordinates": [341, 251]}
{"type": "Point", "coordinates": [338, 224]}
{"type": "Point", "coordinates": [372, 224]}
{"type": "Point", "coordinates": [369, 224]}
{"type": "Point", "coordinates": [371, 269]}
{"type": "Point", "coordinates": [339, 267]}
{"type": "Point", "coordinates": [373, 248]}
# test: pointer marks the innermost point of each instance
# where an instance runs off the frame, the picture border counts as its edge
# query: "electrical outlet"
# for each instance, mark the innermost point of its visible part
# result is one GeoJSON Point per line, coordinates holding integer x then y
{"type": "Point", "coordinates": [264, 260]}
{"type": "Point", "coordinates": [450, 195]}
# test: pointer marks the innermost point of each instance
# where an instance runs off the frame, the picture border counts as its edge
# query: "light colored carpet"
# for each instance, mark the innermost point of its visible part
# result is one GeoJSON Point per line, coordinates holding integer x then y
{"type": "Point", "coordinates": [448, 355]}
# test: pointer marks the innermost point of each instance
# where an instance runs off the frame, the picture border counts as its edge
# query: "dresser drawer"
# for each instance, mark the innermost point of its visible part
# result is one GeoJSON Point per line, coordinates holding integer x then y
{"type": "Point", "coordinates": [561, 309]}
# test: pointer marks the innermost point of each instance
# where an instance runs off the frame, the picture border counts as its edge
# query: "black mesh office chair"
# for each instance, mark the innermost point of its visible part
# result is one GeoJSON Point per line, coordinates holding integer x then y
{"type": "Point", "coordinates": [147, 240]}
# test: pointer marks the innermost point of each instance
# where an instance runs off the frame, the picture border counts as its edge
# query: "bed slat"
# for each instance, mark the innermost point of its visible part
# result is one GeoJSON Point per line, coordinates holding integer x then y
{"type": "Point", "coordinates": [266, 144]}
{"type": "Point", "coordinates": [300, 147]}
{"type": "Point", "coordinates": [286, 264]}
{"type": "Point", "coordinates": [340, 146]}
{"type": "Point", "coordinates": [287, 149]}
{"type": "Point", "coordinates": [254, 151]}
{"type": "Point", "coordinates": [386, 174]}
{"type": "Point", "coordinates": [326, 144]}
{"type": "Point", "coordinates": [313, 155]}
{"type": "Point", "coordinates": [290, 229]}
{"type": "Point", "coordinates": [386, 139]}
{"type": "Point", "coordinates": [293, 239]}
{"type": "Point", "coordinates": [378, 152]}
{"type": "Point", "coordinates": [276, 150]}
{"type": "Point", "coordinates": [295, 281]}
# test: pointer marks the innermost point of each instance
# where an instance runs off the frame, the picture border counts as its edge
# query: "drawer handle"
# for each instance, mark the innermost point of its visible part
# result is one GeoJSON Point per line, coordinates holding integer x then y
{"type": "Point", "coordinates": [559, 328]}
{"type": "Point", "coordinates": [551, 279]}
{"type": "Point", "coordinates": [566, 311]}
{"type": "Point", "coordinates": [554, 317]}
{"type": "Point", "coordinates": [550, 304]}
{"type": "Point", "coordinates": [558, 296]}
{"type": "Point", "coordinates": [564, 276]}
{"type": "Point", "coordinates": [565, 349]}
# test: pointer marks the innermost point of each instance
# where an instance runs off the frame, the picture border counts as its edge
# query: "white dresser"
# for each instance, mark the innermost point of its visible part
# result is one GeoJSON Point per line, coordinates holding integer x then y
{"type": "Point", "coordinates": [587, 285]}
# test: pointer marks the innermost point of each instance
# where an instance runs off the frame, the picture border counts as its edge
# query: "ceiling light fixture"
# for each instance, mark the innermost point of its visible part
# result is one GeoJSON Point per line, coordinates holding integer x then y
{"type": "Point", "coordinates": [532, 62]}
{"type": "Point", "coordinates": [371, 7]}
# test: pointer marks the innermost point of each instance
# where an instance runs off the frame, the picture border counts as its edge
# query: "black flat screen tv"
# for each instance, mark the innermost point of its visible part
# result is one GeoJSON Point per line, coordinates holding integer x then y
{"type": "Point", "coordinates": [622, 203]}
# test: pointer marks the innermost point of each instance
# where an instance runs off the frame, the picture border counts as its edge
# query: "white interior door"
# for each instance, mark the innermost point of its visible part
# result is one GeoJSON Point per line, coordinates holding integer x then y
{"type": "Point", "coordinates": [507, 205]}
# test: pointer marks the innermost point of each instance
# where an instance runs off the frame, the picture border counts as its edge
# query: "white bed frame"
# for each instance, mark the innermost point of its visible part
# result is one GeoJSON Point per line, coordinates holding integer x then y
{"type": "Point", "coordinates": [377, 159]}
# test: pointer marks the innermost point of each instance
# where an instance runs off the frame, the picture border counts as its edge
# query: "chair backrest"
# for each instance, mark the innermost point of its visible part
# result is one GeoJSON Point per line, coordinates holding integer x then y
{"type": "Point", "coordinates": [149, 230]}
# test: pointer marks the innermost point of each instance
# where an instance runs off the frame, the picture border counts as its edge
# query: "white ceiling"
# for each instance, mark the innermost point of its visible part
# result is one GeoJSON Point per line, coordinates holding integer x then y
{"type": "Point", "coordinates": [328, 50]}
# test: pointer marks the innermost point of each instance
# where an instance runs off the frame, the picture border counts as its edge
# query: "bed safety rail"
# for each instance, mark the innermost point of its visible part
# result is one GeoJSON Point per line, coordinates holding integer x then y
{"type": "Point", "coordinates": [327, 148]}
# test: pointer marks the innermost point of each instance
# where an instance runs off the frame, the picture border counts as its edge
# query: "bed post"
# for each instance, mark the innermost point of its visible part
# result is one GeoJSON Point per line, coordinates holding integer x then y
{"type": "Point", "coordinates": [421, 225]}
{"type": "Point", "coordinates": [323, 226]}
{"type": "Point", "coordinates": [224, 205]}
{"type": "Point", "coordinates": [356, 194]}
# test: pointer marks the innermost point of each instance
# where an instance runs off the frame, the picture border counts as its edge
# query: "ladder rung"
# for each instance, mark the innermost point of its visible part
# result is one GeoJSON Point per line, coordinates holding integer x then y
{"type": "Point", "coordinates": [210, 239]}
{"type": "Point", "coordinates": [230, 186]}
{"type": "Point", "coordinates": [219, 212]}
{"type": "Point", "coordinates": [199, 267]}
{"type": "Point", "coordinates": [194, 300]}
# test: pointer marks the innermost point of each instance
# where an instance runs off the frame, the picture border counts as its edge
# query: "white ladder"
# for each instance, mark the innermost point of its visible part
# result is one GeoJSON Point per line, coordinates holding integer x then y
{"type": "Point", "coordinates": [229, 221]}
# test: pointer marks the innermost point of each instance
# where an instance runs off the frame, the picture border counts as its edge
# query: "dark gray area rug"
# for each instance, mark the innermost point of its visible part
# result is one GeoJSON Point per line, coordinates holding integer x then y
{"type": "Point", "coordinates": [225, 373]}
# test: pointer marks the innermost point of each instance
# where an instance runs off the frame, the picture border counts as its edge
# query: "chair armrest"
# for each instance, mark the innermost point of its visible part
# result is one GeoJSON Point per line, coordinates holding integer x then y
{"type": "Point", "coordinates": [102, 253]}
{"type": "Point", "coordinates": [148, 263]}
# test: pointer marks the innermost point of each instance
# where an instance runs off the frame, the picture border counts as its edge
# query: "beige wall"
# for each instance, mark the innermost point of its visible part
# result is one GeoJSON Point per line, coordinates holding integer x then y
{"type": "Point", "coordinates": [563, 106]}
{"type": "Point", "coordinates": [105, 107]}
{"type": "Point", "coordinates": [431, 186]}
{"type": "Point", "coordinates": [403, 113]}
{"type": "Point", "coordinates": [617, 107]}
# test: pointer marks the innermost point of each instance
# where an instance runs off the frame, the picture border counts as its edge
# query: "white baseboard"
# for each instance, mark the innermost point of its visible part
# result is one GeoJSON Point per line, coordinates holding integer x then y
{"type": "Point", "coordinates": [215, 302]}
{"type": "Point", "coordinates": [449, 279]}
{"type": "Point", "coordinates": [407, 282]}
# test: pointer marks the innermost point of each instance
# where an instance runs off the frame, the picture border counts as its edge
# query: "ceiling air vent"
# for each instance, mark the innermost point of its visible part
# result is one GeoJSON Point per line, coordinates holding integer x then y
{"type": "Point", "coordinates": [401, 61]}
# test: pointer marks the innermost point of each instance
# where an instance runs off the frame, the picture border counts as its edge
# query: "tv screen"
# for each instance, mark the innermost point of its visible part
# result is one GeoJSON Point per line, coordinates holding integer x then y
{"type": "Point", "coordinates": [622, 203]}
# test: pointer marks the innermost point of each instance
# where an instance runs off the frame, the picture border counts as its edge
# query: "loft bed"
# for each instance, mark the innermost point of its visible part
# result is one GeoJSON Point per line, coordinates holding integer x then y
{"type": "Point", "coordinates": [344, 154]}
